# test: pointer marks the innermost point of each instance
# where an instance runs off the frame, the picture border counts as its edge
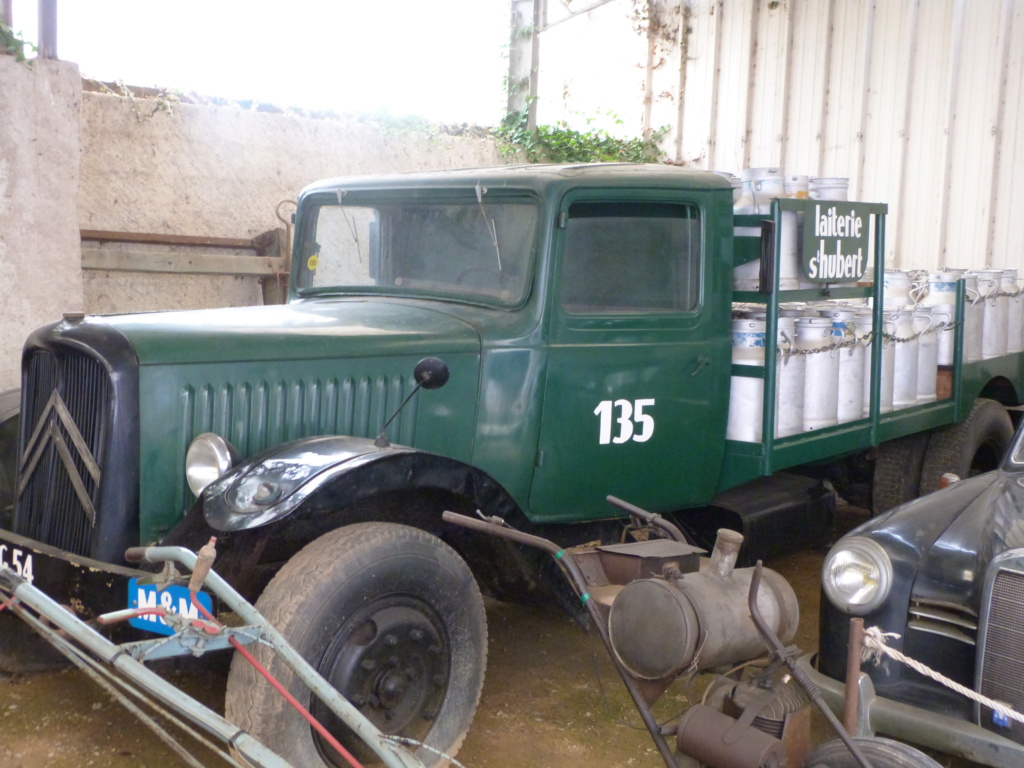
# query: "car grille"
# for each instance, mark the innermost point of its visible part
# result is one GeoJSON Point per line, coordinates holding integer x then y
{"type": "Point", "coordinates": [949, 620]}
{"type": "Point", "coordinates": [1002, 667]}
{"type": "Point", "coordinates": [65, 402]}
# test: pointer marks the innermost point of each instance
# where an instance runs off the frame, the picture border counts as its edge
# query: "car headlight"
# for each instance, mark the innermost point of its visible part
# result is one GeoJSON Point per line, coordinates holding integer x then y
{"type": "Point", "coordinates": [208, 457]}
{"type": "Point", "coordinates": [857, 575]}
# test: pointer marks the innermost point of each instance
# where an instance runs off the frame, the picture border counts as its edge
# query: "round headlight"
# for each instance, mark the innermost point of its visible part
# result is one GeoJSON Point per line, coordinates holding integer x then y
{"type": "Point", "coordinates": [208, 457]}
{"type": "Point", "coordinates": [857, 575]}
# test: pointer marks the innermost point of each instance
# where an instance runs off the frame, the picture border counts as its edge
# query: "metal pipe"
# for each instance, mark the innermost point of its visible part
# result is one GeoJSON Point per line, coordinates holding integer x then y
{"type": "Point", "coordinates": [725, 552]}
{"type": "Point", "coordinates": [799, 674]}
{"type": "Point", "coordinates": [649, 517]}
{"type": "Point", "coordinates": [579, 583]}
{"type": "Point", "coordinates": [352, 717]}
{"type": "Point", "coordinates": [169, 695]}
{"type": "Point", "coordinates": [48, 29]}
{"type": "Point", "coordinates": [853, 652]}
{"type": "Point", "coordinates": [109, 682]}
{"type": "Point", "coordinates": [920, 726]}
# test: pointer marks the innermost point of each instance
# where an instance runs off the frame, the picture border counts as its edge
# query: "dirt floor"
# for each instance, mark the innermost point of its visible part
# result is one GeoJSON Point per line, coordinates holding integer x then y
{"type": "Point", "coordinates": [551, 698]}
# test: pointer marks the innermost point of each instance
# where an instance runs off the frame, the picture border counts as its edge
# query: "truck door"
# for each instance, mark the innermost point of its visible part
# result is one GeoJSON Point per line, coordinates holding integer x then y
{"type": "Point", "coordinates": [633, 403]}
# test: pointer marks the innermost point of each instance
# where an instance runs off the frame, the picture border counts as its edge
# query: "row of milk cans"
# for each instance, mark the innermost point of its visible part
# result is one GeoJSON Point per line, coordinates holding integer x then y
{"type": "Point", "coordinates": [823, 361]}
{"type": "Point", "coordinates": [753, 193]}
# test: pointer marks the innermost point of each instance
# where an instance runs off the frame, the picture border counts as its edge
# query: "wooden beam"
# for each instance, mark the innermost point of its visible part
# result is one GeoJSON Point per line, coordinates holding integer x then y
{"type": "Point", "coordinates": [182, 263]}
{"type": "Point", "coordinates": [107, 236]}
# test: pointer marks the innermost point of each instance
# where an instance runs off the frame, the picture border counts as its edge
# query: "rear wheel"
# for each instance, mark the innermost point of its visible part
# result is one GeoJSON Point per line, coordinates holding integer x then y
{"type": "Point", "coordinates": [898, 467]}
{"type": "Point", "coordinates": [975, 445]}
{"type": "Point", "coordinates": [393, 619]}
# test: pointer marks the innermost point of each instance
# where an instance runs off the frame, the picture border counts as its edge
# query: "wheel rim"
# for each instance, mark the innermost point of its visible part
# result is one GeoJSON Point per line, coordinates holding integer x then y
{"type": "Point", "coordinates": [391, 661]}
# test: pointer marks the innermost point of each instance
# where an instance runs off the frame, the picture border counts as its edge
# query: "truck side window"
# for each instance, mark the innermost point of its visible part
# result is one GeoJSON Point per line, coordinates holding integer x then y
{"type": "Point", "coordinates": [630, 257]}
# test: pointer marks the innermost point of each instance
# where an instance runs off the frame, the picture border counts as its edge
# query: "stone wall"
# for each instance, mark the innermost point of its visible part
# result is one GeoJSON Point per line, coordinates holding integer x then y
{"type": "Point", "coordinates": [221, 171]}
{"type": "Point", "coordinates": [71, 160]}
{"type": "Point", "coordinates": [40, 265]}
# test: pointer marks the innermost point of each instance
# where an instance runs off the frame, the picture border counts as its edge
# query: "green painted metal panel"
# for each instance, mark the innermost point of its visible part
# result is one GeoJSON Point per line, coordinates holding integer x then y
{"type": "Point", "coordinates": [258, 406]}
{"type": "Point", "coordinates": [509, 415]}
{"type": "Point", "coordinates": [325, 329]}
{"type": "Point", "coordinates": [633, 402]}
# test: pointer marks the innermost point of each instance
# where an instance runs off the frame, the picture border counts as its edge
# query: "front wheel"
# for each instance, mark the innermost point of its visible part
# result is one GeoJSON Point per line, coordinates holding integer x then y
{"type": "Point", "coordinates": [881, 753]}
{"type": "Point", "coordinates": [393, 619]}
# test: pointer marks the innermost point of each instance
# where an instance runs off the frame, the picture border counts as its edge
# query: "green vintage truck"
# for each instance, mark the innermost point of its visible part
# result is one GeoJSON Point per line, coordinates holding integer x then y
{"type": "Point", "coordinates": [571, 330]}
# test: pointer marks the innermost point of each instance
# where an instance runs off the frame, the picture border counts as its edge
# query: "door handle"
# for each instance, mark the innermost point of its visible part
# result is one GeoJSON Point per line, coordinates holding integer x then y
{"type": "Point", "coordinates": [702, 363]}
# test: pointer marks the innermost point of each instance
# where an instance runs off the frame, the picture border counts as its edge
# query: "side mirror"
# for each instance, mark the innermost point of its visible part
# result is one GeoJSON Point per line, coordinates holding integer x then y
{"type": "Point", "coordinates": [431, 373]}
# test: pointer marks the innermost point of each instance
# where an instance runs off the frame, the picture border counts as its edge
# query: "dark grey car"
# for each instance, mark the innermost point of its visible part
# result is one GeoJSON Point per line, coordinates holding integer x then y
{"type": "Point", "coordinates": [946, 574]}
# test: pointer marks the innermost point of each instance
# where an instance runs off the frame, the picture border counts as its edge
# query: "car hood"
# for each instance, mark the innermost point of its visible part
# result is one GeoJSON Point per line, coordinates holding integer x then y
{"type": "Point", "coordinates": [954, 567]}
{"type": "Point", "coordinates": [912, 529]}
{"type": "Point", "coordinates": [307, 331]}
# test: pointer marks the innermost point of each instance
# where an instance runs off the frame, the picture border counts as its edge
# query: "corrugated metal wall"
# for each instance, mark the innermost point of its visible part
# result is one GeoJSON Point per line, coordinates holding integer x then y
{"type": "Point", "coordinates": [919, 102]}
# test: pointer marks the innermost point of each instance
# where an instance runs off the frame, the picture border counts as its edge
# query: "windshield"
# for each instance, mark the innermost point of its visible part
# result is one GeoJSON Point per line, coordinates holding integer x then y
{"type": "Point", "coordinates": [469, 248]}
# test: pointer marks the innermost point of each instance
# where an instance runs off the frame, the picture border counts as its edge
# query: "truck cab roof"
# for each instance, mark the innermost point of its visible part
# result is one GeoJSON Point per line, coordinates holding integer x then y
{"type": "Point", "coordinates": [534, 177]}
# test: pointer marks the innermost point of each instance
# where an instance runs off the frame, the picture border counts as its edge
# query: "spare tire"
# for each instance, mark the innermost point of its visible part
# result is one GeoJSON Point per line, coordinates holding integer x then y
{"type": "Point", "coordinates": [973, 446]}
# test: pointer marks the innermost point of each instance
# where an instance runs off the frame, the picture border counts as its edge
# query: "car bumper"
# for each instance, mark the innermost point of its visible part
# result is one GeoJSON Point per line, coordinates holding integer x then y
{"type": "Point", "coordinates": [916, 725]}
{"type": "Point", "coordinates": [87, 587]}
{"type": "Point", "coordinates": [83, 586]}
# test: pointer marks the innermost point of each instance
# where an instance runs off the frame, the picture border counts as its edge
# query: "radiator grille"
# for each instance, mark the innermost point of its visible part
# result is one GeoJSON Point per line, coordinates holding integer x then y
{"type": "Point", "coordinates": [1003, 661]}
{"type": "Point", "coordinates": [64, 424]}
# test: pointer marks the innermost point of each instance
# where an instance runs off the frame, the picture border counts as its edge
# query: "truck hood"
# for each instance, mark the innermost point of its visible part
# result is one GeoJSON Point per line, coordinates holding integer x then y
{"type": "Point", "coordinates": [361, 327]}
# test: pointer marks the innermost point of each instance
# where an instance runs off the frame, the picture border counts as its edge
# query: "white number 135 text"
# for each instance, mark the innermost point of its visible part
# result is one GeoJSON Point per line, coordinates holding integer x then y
{"type": "Point", "coordinates": [630, 419]}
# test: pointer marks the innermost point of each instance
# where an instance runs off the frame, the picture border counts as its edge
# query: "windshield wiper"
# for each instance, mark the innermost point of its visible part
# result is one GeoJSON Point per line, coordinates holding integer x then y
{"type": "Point", "coordinates": [492, 228]}
{"type": "Point", "coordinates": [351, 225]}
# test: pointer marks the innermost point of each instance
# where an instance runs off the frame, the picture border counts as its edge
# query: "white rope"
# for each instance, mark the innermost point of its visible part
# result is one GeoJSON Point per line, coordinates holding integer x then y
{"type": "Point", "coordinates": [875, 648]}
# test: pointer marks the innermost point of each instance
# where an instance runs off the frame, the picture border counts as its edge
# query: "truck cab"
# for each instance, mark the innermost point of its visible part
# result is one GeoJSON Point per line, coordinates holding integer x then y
{"type": "Point", "coordinates": [580, 316]}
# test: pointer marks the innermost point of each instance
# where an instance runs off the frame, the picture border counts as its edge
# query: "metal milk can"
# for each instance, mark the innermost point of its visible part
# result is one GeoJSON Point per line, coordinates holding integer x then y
{"type": "Point", "coordinates": [746, 394]}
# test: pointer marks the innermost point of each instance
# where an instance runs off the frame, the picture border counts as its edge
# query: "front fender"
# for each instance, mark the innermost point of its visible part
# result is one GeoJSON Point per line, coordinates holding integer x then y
{"type": "Point", "coordinates": [324, 473]}
{"type": "Point", "coordinates": [274, 483]}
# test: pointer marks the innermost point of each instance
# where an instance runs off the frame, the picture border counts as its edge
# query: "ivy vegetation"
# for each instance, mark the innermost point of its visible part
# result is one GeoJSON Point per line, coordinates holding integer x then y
{"type": "Point", "coordinates": [12, 44]}
{"type": "Point", "coordinates": [560, 144]}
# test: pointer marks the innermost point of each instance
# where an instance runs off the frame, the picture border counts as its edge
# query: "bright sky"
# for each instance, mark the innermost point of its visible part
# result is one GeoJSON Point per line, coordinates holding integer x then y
{"type": "Point", "coordinates": [443, 60]}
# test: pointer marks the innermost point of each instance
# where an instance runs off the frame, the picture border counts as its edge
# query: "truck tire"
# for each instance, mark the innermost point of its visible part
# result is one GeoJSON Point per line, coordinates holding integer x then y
{"type": "Point", "coordinates": [975, 445]}
{"type": "Point", "coordinates": [391, 617]}
{"type": "Point", "coordinates": [897, 476]}
{"type": "Point", "coordinates": [10, 419]}
{"type": "Point", "coordinates": [881, 753]}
